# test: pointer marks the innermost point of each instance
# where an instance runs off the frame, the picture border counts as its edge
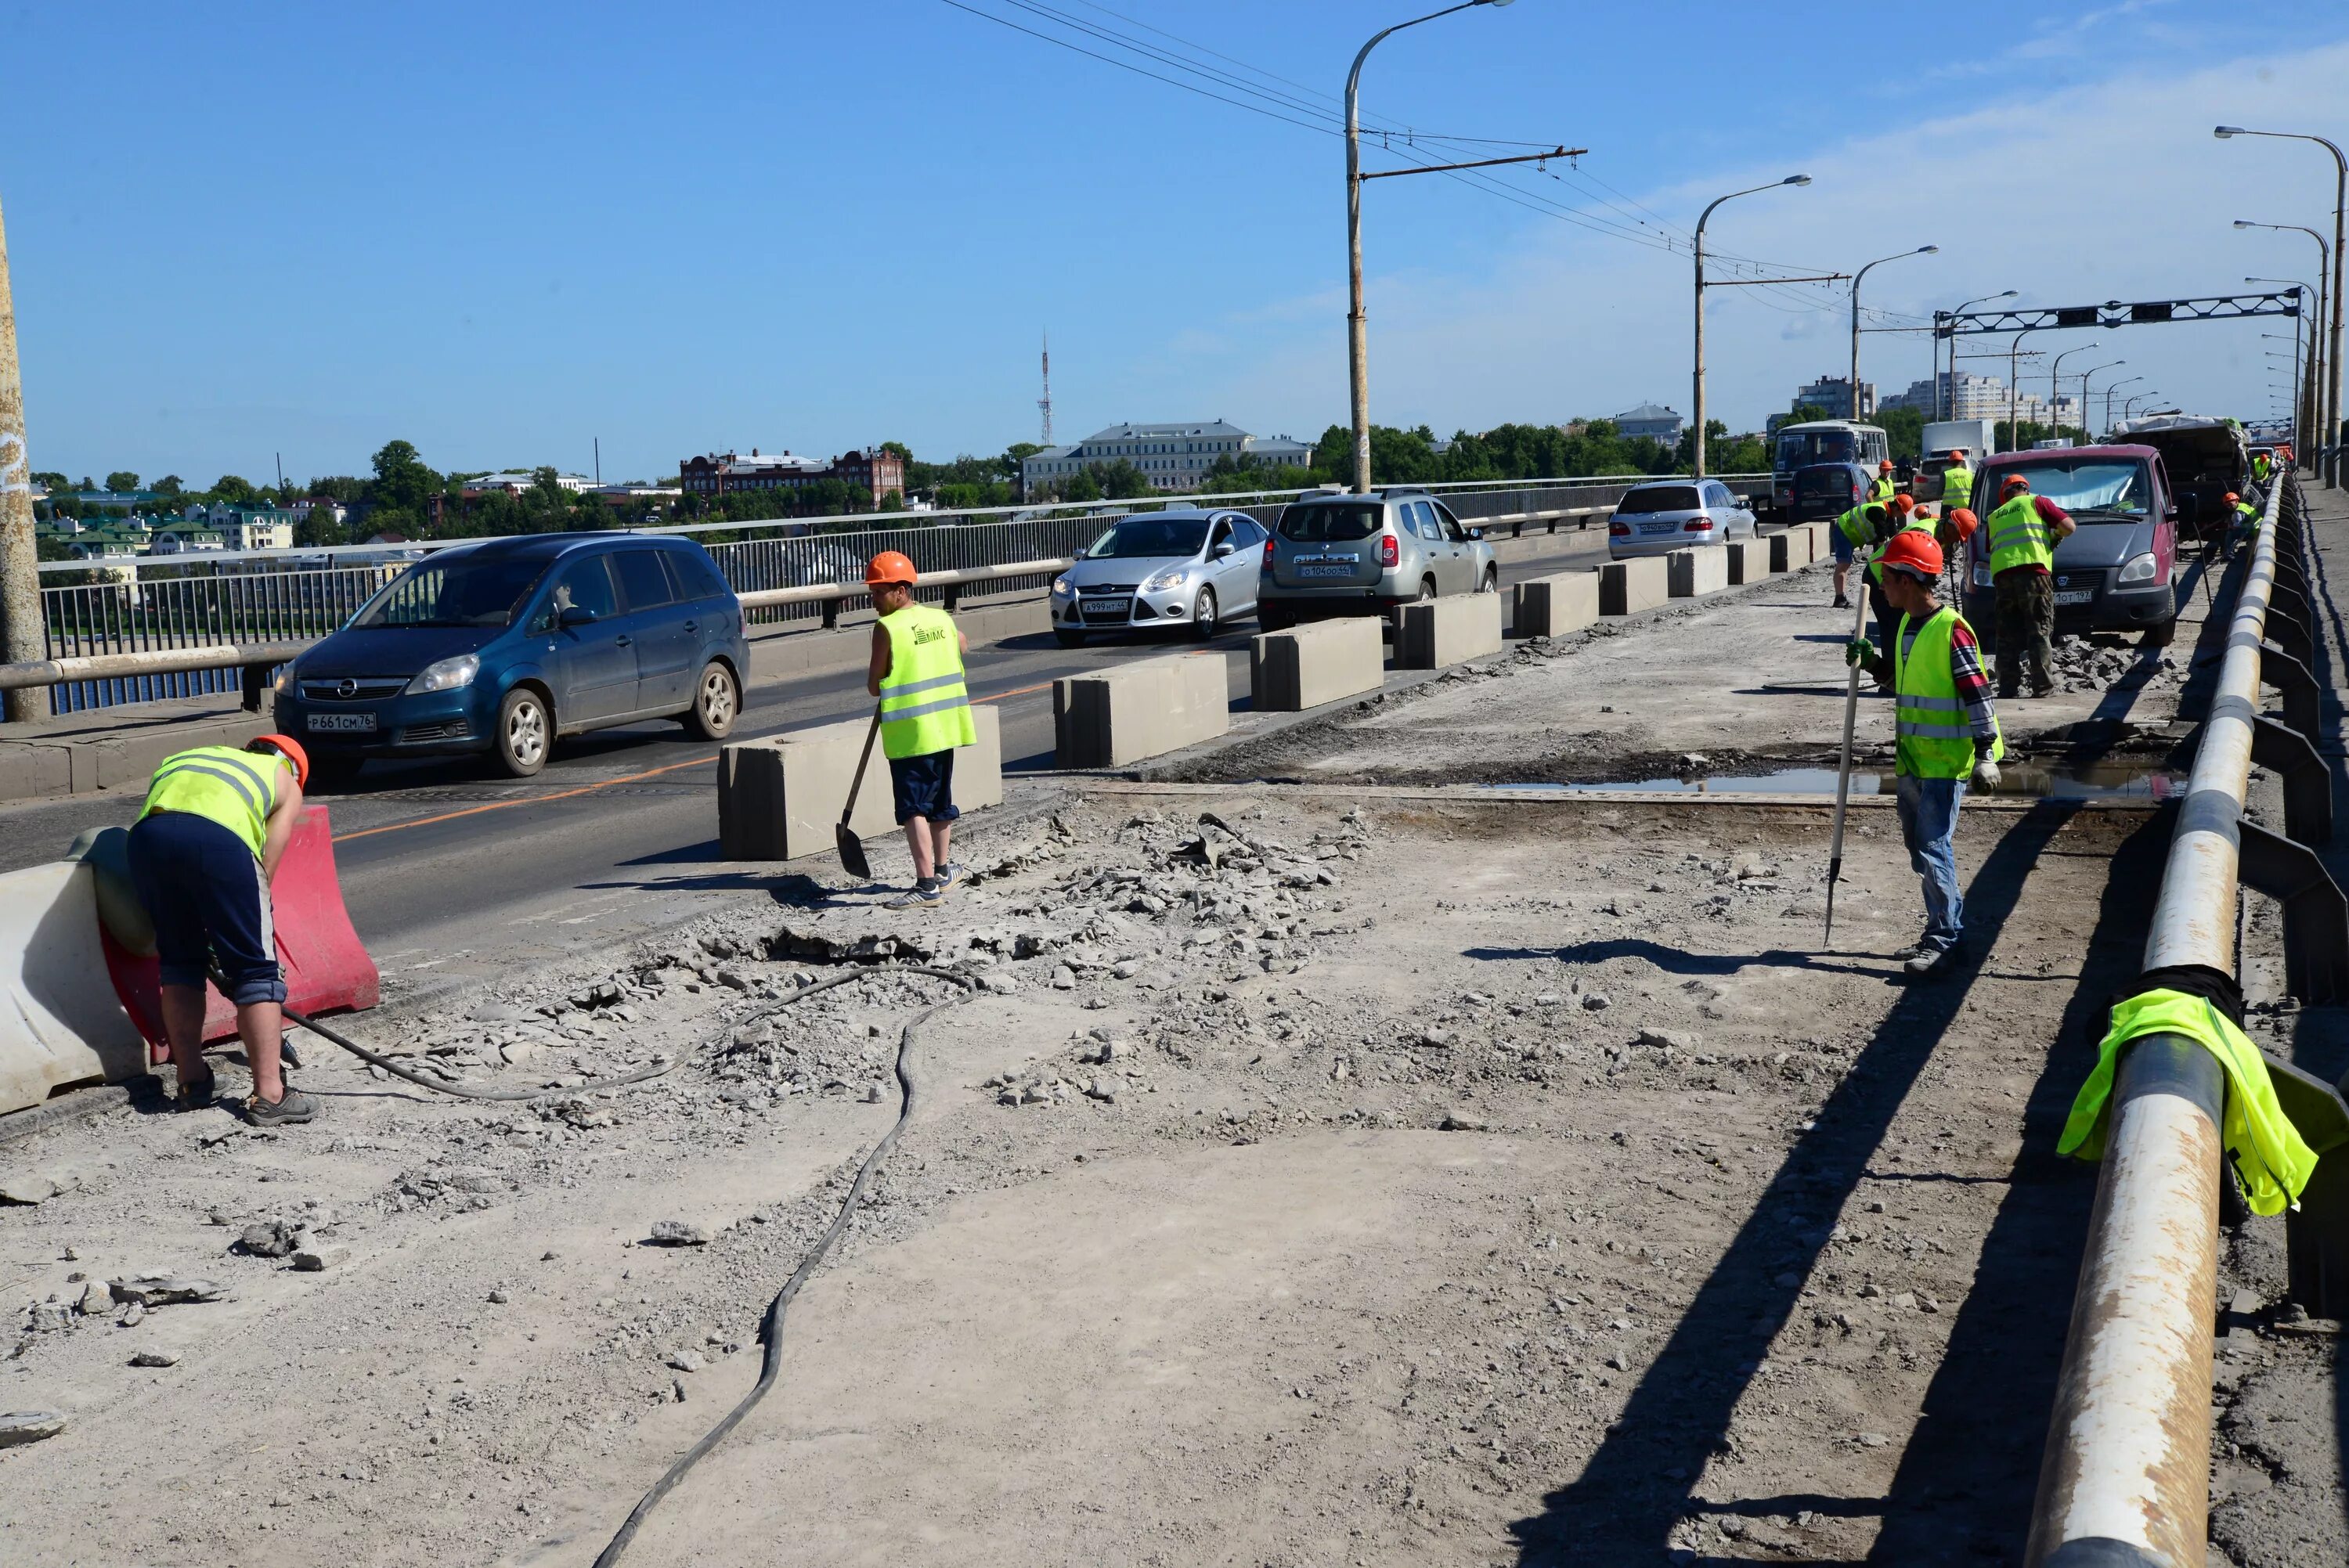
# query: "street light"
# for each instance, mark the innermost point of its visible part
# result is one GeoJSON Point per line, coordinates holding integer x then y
{"type": "Point", "coordinates": [1940, 412]}
{"type": "Point", "coordinates": [1356, 333]}
{"type": "Point", "coordinates": [2108, 400]}
{"type": "Point", "coordinates": [2304, 371]}
{"type": "Point", "coordinates": [1697, 466]}
{"type": "Point", "coordinates": [2330, 435]}
{"type": "Point", "coordinates": [2129, 406]}
{"type": "Point", "coordinates": [2055, 395]}
{"type": "Point", "coordinates": [2085, 429]}
{"type": "Point", "coordinates": [2317, 359]}
{"type": "Point", "coordinates": [1920, 251]}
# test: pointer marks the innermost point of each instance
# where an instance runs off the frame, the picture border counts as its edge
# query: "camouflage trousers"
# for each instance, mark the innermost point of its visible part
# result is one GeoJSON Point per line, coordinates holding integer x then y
{"type": "Point", "coordinates": [2026, 620]}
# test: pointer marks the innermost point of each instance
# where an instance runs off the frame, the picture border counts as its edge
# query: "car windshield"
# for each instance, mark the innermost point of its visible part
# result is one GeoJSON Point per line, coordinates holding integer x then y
{"type": "Point", "coordinates": [1823, 484]}
{"type": "Point", "coordinates": [2105, 485]}
{"type": "Point", "coordinates": [458, 593]}
{"type": "Point", "coordinates": [1149, 536]}
{"type": "Point", "coordinates": [1799, 447]}
{"type": "Point", "coordinates": [1326, 522]}
{"type": "Point", "coordinates": [1658, 498]}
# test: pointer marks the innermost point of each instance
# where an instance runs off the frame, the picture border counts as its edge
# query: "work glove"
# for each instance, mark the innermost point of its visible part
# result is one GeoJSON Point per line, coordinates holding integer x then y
{"type": "Point", "coordinates": [1986, 774]}
{"type": "Point", "coordinates": [1860, 653]}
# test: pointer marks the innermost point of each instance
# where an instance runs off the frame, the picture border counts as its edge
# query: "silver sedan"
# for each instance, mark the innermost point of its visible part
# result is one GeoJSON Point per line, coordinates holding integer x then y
{"type": "Point", "coordinates": [1189, 569]}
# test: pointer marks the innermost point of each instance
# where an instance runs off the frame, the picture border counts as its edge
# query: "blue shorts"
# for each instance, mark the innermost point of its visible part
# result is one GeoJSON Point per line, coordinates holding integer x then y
{"type": "Point", "coordinates": [1842, 546]}
{"type": "Point", "coordinates": [204, 889]}
{"type": "Point", "coordinates": [924, 785]}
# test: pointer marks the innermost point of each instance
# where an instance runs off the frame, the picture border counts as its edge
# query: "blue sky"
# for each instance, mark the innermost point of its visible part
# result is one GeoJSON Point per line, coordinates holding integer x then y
{"type": "Point", "coordinates": [500, 231]}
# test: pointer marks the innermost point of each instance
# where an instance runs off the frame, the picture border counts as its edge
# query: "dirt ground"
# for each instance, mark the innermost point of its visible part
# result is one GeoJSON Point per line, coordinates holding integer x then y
{"type": "Point", "coordinates": [1309, 1178]}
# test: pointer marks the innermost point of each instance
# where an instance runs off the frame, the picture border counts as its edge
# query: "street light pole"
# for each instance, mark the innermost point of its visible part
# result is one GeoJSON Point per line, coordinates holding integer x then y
{"type": "Point", "coordinates": [1920, 251]}
{"type": "Point", "coordinates": [2317, 361]}
{"type": "Point", "coordinates": [2329, 437]}
{"type": "Point", "coordinates": [2055, 366]}
{"type": "Point", "coordinates": [2108, 400]}
{"type": "Point", "coordinates": [22, 637]}
{"type": "Point", "coordinates": [1951, 412]}
{"type": "Point", "coordinates": [1697, 396]}
{"type": "Point", "coordinates": [2086, 429]}
{"type": "Point", "coordinates": [1356, 330]}
{"type": "Point", "coordinates": [2299, 386]}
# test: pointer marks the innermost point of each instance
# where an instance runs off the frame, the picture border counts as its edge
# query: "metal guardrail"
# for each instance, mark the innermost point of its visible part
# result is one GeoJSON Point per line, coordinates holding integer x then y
{"type": "Point", "coordinates": [154, 604]}
{"type": "Point", "coordinates": [2125, 1479]}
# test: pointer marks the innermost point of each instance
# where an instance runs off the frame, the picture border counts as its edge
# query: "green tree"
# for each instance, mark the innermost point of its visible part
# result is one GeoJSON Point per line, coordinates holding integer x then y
{"type": "Point", "coordinates": [394, 520]}
{"type": "Point", "coordinates": [318, 529]}
{"type": "Point", "coordinates": [903, 451]}
{"type": "Point", "coordinates": [402, 482]}
{"type": "Point", "coordinates": [1905, 429]}
{"type": "Point", "coordinates": [52, 482]}
{"type": "Point", "coordinates": [121, 481]}
{"type": "Point", "coordinates": [342, 487]}
{"type": "Point", "coordinates": [1119, 480]}
{"type": "Point", "coordinates": [170, 484]}
{"type": "Point", "coordinates": [232, 490]}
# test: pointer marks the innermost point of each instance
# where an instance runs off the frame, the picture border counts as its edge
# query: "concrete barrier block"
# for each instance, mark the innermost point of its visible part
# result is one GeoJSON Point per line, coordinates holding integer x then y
{"type": "Point", "coordinates": [1789, 550]}
{"type": "Point", "coordinates": [29, 771]}
{"type": "Point", "coordinates": [1555, 606]}
{"type": "Point", "coordinates": [1749, 561]}
{"type": "Point", "coordinates": [1703, 570]}
{"type": "Point", "coordinates": [779, 797]}
{"type": "Point", "coordinates": [1323, 661]}
{"type": "Point", "coordinates": [1112, 717]}
{"type": "Point", "coordinates": [1442, 632]}
{"type": "Point", "coordinates": [59, 1021]}
{"type": "Point", "coordinates": [1627, 587]}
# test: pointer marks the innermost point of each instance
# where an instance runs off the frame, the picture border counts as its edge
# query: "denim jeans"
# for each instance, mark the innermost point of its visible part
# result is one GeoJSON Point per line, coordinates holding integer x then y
{"type": "Point", "coordinates": [1929, 826]}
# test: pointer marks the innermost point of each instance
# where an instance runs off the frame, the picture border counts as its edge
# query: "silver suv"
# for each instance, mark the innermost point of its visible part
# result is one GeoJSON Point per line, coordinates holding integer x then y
{"type": "Point", "coordinates": [1350, 554]}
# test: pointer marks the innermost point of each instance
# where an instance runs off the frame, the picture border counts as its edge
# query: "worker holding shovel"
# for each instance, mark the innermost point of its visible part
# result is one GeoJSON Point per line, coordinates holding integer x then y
{"type": "Point", "coordinates": [925, 715]}
{"type": "Point", "coordinates": [1946, 730]}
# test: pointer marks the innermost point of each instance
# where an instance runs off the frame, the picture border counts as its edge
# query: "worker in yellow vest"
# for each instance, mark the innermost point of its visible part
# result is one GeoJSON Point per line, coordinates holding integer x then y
{"type": "Point", "coordinates": [216, 822]}
{"type": "Point", "coordinates": [917, 673]}
{"type": "Point", "coordinates": [2243, 520]}
{"type": "Point", "coordinates": [2022, 535]}
{"type": "Point", "coordinates": [1946, 735]}
{"type": "Point", "coordinates": [1882, 487]}
{"type": "Point", "coordinates": [1957, 483]}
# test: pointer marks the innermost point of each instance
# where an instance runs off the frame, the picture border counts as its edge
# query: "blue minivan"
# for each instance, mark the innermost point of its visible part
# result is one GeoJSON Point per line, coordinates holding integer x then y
{"type": "Point", "coordinates": [503, 646]}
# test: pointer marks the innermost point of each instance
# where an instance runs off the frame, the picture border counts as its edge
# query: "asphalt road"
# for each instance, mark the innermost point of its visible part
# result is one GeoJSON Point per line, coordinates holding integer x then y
{"type": "Point", "coordinates": [451, 870]}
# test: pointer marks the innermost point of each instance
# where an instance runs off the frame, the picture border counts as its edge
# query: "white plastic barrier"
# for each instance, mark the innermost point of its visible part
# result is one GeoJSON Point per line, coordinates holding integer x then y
{"type": "Point", "coordinates": [59, 1021]}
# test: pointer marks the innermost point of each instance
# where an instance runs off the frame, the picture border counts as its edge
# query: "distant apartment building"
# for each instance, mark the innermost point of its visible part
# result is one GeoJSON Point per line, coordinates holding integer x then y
{"type": "Point", "coordinates": [1653, 420]}
{"type": "Point", "coordinates": [242, 527]}
{"type": "Point", "coordinates": [1962, 395]}
{"type": "Point", "coordinates": [513, 484]}
{"type": "Point", "coordinates": [1174, 457]}
{"type": "Point", "coordinates": [873, 470]}
{"type": "Point", "coordinates": [303, 508]}
{"type": "Point", "coordinates": [1833, 393]}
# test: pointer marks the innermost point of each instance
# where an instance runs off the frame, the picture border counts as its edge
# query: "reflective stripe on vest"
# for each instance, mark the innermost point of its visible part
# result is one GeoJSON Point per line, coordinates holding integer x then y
{"type": "Point", "coordinates": [1854, 525]}
{"type": "Point", "coordinates": [1880, 489]}
{"type": "Point", "coordinates": [1957, 487]}
{"type": "Point", "coordinates": [1876, 568]}
{"type": "Point", "coordinates": [220, 784]}
{"type": "Point", "coordinates": [1932, 736]}
{"type": "Point", "coordinates": [2018, 536]}
{"type": "Point", "coordinates": [925, 703]}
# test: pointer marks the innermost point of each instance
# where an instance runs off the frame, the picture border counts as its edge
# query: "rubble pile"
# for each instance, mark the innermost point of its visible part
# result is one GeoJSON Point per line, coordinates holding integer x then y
{"type": "Point", "coordinates": [2096, 664]}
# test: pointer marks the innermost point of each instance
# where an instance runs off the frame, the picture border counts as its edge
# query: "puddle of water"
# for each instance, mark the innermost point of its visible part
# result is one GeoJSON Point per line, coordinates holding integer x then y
{"type": "Point", "coordinates": [2101, 781]}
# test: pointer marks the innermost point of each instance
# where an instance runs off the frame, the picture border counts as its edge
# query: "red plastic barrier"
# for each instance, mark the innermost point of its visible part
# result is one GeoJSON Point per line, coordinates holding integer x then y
{"type": "Point", "coordinates": [327, 970]}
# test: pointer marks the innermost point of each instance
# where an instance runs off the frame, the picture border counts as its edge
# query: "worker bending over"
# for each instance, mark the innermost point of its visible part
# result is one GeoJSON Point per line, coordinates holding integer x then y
{"type": "Point", "coordinates": [1947, 733]}
{"type": "Point", "coordinates": [1859, 529]}
{"type": "Point", "coordinates": [215, 823]}
{"type": "Point", "coordinates": [917, 673]}
{"type": "Point", "coordinates": [2024, 531]}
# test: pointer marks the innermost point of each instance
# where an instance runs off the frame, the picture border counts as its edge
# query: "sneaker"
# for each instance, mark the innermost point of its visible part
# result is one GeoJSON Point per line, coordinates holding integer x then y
{"type": "Point", "coordinates": [952, 873]}
{"type": "Point", "coordinates": [1902, 955]}
{"type": "Point", "coordinates": [1931, 963]}
{"type": "Point", "coordinates": [193, 1093]}
{"type": "Point", "coordinates": [924, 894]}
{"type": "Point", "coordinates": [2043, 688]}
{"type": "Point", "coordinates": [1840, 603]}
{"type": "Point", "coordinates": [293, 1106]}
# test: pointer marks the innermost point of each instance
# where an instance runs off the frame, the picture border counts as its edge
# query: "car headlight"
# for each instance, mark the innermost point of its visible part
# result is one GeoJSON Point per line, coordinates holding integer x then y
{"type": "Point", "coordinates": [285, 681]}
{"type": "Point", "coordinates": [448, 675]}
{"type": "Point", "coordinates": [1061, 587]}
{"type": "Point", "coordinates": [1166, 582]}
{"type": "Point", "coordinates": [2140, 568]}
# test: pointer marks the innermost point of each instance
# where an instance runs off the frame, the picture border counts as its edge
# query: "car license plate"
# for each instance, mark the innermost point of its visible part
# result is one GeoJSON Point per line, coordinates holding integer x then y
{"type": "Point", "coordinates": [1107, 606]}
{"type": "Point", "coordinates": [1337, 570]}
{"type": "Point", "coordinates": [361, 722]}
{"type": "Point", "coordinates": [2077, 597]}
{"type": "Point", "coordinates": [1660, 528]}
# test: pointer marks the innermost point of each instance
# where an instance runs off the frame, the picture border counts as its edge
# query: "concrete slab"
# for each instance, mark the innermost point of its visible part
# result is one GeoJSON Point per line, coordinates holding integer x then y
{"type": "Point", "coordinates": [779, 797]}
{"type": "Point", "coordinates": [1113, 716]}
{"type": "Point", "coordinates": [1627, 587]}
{"type": "Point", "coordinates": [1442, 632]}
{"type": "Point", "coordinates": [1692, 572]}
{"type": "Point", "coordinates": [1790, 550]}
{"type": "Point", "coordinates": [1554, 605]}
{"type": "Point", "coordinates": [1749, 561]}
{"type": "Point", "coordinates": [28, 771]}
{"type": "Point", "coordinates": [1324, 661]}
{"type": "Point", "coordinates": [59, 1021]}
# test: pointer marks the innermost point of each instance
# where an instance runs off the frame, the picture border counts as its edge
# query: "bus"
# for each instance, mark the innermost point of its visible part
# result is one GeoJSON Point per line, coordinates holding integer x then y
{"type": "Point", "coordinates": [1821, 441]}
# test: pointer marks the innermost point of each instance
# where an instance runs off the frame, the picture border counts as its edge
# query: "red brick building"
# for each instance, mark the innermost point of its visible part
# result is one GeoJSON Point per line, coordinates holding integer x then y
{"type": "Point", "coordinates": [873, 471]}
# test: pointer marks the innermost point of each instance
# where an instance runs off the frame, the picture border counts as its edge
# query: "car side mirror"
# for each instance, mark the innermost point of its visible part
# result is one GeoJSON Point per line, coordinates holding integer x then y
{"type": "Point", "coordinates": [1222, 550]}
{"type": "Point", "coordinates": [1475, 533]}
{"type": "Point", "coordinates": [575, 615]}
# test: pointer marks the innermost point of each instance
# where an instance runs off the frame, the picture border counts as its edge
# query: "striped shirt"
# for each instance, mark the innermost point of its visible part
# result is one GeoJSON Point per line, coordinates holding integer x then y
{"type": "Point", "coordinates": [1965, 670]}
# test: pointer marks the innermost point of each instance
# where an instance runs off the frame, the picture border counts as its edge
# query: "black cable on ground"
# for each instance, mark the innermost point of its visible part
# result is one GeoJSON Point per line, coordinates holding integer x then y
{"type": "Point", "coordinates": [771, 1328]}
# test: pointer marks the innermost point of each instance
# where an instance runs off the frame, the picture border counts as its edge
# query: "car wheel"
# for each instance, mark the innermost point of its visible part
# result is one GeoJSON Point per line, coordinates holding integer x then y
{"type": "Point", "coordinates": [1067, 639]}
{"type": "Point", "coordinates": [1273, 617]}
{"type": "Point", "coordinates": [716, 703]}
{"type": "Point", "coordinates": [525, 733]}
{"type": "Point", "coordinates": [1492, 583]}
{"type": "Point", "coordinates": [1426, 589]}
{"type": "Point", "coordinates": [1205, 619]}
{"type": "Point", "coordinates": [2159, 635]}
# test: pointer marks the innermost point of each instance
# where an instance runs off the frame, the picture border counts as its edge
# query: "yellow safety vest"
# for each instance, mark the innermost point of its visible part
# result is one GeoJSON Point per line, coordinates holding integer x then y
{"type": "Point", "coordinates": [925, 703]}
{"type": "Point", "coordinates": [2268, 1152]}
{"type": "Point", "coordinates": [2018, 537]}
{"type": "Point", "coordinates": [1876, 568]}
{"type": "Point", "coordinates": [1933, 738]}
{"type": "Point", "coordinates": [1957, 487]}
{"type": "Point", "coordinates": [220, 784]}
{"type": "Point", "coordinates": [1857, 526]}
{"type": "Point", "coordinates": [1881, 489]}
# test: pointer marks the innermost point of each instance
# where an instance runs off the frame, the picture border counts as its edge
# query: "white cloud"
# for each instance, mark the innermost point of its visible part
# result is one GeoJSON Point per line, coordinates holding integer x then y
{"type": "Point", "coordinates": [2110, 190]}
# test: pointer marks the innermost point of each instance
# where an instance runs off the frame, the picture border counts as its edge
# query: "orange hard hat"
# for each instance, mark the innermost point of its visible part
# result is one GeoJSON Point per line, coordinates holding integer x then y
{"type": "Point", "coordinates": [2013, 481]}
{"type": "Point", "coordinates": [1913, 551]}
{"type": "Point", "coordinates": [1903, 504]}
{"type": "Point", "coordinates": [2232, 498]}
{"type": "Point", "coordinates": [1884, 465]}
{"type": "Point", "coordinates": [1956, 452]}
{"type": "Point", "coordinates": [1963, 521]}
{"type": "Point", "coordinates": [288, 748]}
{"type": "Point", "coordinates": [890, 566]}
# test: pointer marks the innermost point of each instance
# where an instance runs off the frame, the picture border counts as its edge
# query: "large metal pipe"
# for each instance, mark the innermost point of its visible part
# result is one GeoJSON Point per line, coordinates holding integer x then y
{"type": "Point", "coordinates": [29, 674]}
{"type": "Point", "coordinates": [2125, 1479]}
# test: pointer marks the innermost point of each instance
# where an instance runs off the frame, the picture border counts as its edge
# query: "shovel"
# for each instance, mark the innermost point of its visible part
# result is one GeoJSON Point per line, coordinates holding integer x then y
{"type": "Point", "coordinates": [843, 838]}
{"type": "Point", "coordinates": [1843, 765]}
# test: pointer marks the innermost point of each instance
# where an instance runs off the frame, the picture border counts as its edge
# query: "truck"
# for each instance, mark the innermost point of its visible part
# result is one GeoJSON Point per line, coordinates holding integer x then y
{"type": "Point", "coordinates": [1979, 438]}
